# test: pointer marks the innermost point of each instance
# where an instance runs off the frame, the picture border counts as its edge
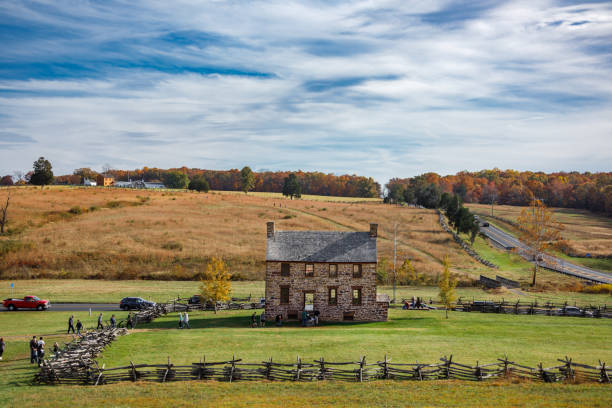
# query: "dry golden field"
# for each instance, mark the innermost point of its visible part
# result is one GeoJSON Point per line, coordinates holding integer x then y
{"type": "Point", "coordinates": [584, 231]}
{"type": "Point", "coordinates": [123, 234]}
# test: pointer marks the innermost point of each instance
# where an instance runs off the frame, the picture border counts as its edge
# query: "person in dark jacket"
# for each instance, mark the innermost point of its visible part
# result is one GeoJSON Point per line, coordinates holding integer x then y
{"type": "Point", "coordinates": [33, 349]}
{"type": "Point", "coordinates": [79, 327]}
{"type": "Point", "coordinates": [113, 321]}
{"type": "Point", "coordinates": [100, 325]}
{"type": "Point", "coordinates": [2, 346]}
{"type": "Point", "coordinates": [130, 323]}
{"type": "Point", "coordinates": [71, 324]}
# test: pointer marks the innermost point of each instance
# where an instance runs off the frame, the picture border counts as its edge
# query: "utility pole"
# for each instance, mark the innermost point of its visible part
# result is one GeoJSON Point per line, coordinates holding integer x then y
{"type": "Point", "coordinates": [394, 258]}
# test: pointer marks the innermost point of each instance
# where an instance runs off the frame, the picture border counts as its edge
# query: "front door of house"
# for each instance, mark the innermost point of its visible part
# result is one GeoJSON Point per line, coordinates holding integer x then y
{"type": "Point", "coordinates": [309, 301]}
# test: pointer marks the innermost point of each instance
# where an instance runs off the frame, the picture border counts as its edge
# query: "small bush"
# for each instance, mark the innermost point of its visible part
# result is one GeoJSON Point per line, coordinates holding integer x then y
{"type": "Point", "coordinates": [288, 217]}
{"type": "Point", "coordinates": [12, 245]}
{"type": "Point", "coordinates": [76, 210]}
{"type": "Point", "coordinates": [113, 204]}
{"type": "Point", "coordinates": [94, 208]}
{"type": "Point", "coordinates": [173, 246]}
{"type": "Point", "coordinates": [601, 288]}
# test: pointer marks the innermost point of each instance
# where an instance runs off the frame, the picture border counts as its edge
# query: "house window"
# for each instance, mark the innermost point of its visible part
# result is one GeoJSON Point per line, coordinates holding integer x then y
{"type": "Point", "coordinates": [284, 295]}
{"type": "Point", "coordinates": [333, 270]}
{"type": "Point", "coordinates": [285, 268]}
{"type": "Point", "coordinates": [333, 296]}
{"type": "Point", "coordinates": [356, 296]}
{"type": "Point", "coordinates": [309, 270]}
{"type": "Point", "coordinates": [357, 271]}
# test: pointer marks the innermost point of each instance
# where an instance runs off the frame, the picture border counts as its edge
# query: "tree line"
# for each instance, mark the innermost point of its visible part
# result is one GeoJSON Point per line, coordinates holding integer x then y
{"type": "Point", "coordinates": [589, 191]}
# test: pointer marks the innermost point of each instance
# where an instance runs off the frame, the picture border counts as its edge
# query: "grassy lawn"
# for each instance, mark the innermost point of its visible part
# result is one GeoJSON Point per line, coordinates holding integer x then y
{"type": "Point", "coordinates": [79, 290]}
{"type": "Point", "coordinates": [406, 337]}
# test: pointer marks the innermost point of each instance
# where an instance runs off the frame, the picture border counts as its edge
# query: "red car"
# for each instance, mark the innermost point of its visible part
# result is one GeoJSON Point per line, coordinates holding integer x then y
{"type": "Point", "coordinates": [28, 302]}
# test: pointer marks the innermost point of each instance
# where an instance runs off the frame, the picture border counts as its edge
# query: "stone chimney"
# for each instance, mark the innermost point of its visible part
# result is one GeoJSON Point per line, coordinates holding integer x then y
{"type": "Point", "coordinates": [270, 229]}
{"type": "Point", "coordinates": [373, 230]}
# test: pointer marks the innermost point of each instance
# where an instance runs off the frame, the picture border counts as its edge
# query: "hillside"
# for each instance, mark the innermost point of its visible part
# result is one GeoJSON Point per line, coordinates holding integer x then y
{"type": "Point", "coordinates": [121, 233]}
{"type": "Point", "coordinates": [103, 233]}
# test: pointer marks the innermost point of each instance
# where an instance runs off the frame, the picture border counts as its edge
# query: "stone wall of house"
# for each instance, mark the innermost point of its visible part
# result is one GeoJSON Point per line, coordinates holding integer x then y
{"type": "Point", "coordinates": [319, 284]}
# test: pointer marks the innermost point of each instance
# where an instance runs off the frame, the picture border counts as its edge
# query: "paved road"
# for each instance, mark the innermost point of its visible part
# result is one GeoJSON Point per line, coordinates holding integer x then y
{"type": "Point", "coordinates": [508, 242]}
{"type": "Point", "coordinates": [78, 307]}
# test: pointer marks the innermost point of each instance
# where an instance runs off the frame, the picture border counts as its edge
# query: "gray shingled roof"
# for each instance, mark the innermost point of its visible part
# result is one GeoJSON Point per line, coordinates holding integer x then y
{"type": "Point", "coordinates": [321, 246]}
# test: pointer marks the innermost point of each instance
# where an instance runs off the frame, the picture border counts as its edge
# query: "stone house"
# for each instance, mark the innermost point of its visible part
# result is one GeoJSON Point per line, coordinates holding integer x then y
{"type": "Point", "coordinates": [333, 272]}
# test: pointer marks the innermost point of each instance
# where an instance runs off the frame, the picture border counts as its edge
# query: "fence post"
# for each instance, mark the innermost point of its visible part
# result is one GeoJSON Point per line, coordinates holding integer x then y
{"type": "Point", "coordinates": [478, 372]}
{"type": "Point", "coordinates": [322, 369]}
{"type": "Point", "coordinates": [233, 367]}
{"type": "Point", "coordinates": [167, 370]}
{"type": "Point", "coordinates": [448, 365]}
{"type": "Point", "coordinates": [268, 369]}
{"type": "Point", "coordinates": [604, 377]}
{"type": "Point", "coordinates": [386, 368]}
{"type": "Point", "coordinates": [361, 365]}
{"type": "Point", "coordinates": [133, 371]}
{"type": "Point", "coordinates": [299, 368]}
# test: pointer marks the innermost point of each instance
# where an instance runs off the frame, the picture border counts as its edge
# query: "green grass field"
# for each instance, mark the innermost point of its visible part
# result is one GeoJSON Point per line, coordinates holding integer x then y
{"type": "Point", "coordinates": [407, 337]}
{"type": "Point", "coordinates": [80, 290]}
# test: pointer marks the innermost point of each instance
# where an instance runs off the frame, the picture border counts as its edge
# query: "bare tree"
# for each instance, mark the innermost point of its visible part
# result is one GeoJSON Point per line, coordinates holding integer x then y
{"type": "Point", "coordinates": [3, 212]}
{"type": "Point", "coordinates": [19, 176]}
{"type": "Point", "coordinates": [539, 230]}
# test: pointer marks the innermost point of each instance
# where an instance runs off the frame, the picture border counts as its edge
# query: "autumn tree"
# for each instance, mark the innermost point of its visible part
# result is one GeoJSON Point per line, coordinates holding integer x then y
{"type": "Point", "coordinates": [538, 230]}
{"type": "Point", "coordinates": [247, 179]}
{"type": "Point", "coordinates": [43, 173]}
{"type": "Point", "coordinates": [216, 285]}
{"type": "Point", "coordinates": [447, 286]}
{"type": "Point", "coordinates": [407, 274]}
{"type": "Point", "coordinates": [6, 180]}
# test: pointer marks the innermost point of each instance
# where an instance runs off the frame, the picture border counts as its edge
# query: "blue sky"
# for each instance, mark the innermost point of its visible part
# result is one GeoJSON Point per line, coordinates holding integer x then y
{"type": "Point", "coordinates": [377, 88]}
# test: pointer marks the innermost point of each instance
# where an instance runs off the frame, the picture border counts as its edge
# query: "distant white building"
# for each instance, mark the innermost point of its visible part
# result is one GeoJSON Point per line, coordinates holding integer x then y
{"type": "Point", "coordinates": [139, 184]}
{"type": "Point", "coordinates": [88, 182]}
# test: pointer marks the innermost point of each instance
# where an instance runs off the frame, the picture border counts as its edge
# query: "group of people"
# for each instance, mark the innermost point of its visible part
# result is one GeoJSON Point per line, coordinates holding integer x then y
{"type": "Point", "coordinates": [112, 322]}
{"type": "Point", "coordinates": [417, 303]}
{"type": "Point", "coordinates": [262, 320]}
{"type": "Point", "coordinates": [79, 325]}
{"type": "Point", "coordinates": [184, 321]}
{"type": "Point", "coordinates": [310, 319]}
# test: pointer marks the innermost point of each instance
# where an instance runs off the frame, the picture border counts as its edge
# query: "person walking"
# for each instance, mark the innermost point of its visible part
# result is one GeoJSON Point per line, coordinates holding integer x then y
{"type": "Point", "coordinates": [262, 319]}
{"type": "Point", "coordinates": [129, 324]}
{"type": "Point", "coordinates": [100, 325]}
{"type": "Point", "coordinates": [40, 350]}
{"type": "Point", "coordinates": [79, 326]}
{"type": "Point", "coordinates": [186, 321]}
{"type": "Point", "coordinates": [2, 346]}
{"type": "Point", "coordinates": [180, 320]}
{"type": "Point", "coordinates": [279, 320]}
{"type": "Point", "coordinates": [113, 321]}
{"type": "Point", "coordinates": [33, 349]}
{"type": "Point", "coordinates": [70, 324]}
{"type": "Point", "coordinates": [254, 319]}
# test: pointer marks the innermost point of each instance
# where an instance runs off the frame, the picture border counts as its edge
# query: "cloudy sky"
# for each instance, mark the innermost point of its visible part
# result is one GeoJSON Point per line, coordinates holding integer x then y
{"type": "Point", "coordinates": [376, 88]}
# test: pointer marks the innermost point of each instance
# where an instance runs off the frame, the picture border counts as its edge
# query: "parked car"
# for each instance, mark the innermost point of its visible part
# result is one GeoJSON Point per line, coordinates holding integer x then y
{"type": "Point", "coordinates": [195, 300]}
{"type": "Point", "coordinates": [573, 311]}
{"type": "Point", "coordinates": [485, 224]}
{"type": "Point", "coordinates": [130, 303]}
{"type": "Point", "coordinates": [28, 302]}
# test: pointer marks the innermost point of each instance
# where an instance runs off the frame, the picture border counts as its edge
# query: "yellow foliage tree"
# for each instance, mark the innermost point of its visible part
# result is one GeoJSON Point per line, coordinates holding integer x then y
{"type": "Point", "coordinates": [407, 274]}
{"type": "Point", "coordinates": [216, 285]}
{"type": "Point", "coordinates": [539, 230]}
{"type": "Point", "coordinates": [447, 286]}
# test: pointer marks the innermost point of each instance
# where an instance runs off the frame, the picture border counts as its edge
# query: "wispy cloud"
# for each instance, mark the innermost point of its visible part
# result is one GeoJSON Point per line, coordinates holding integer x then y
{"type": "Point", "coordinates": [389, 88]}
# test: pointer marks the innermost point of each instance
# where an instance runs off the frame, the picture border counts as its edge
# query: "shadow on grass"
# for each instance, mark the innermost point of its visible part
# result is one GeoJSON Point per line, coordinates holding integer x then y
{"type": "Point", "coordinates": [221, 321]}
